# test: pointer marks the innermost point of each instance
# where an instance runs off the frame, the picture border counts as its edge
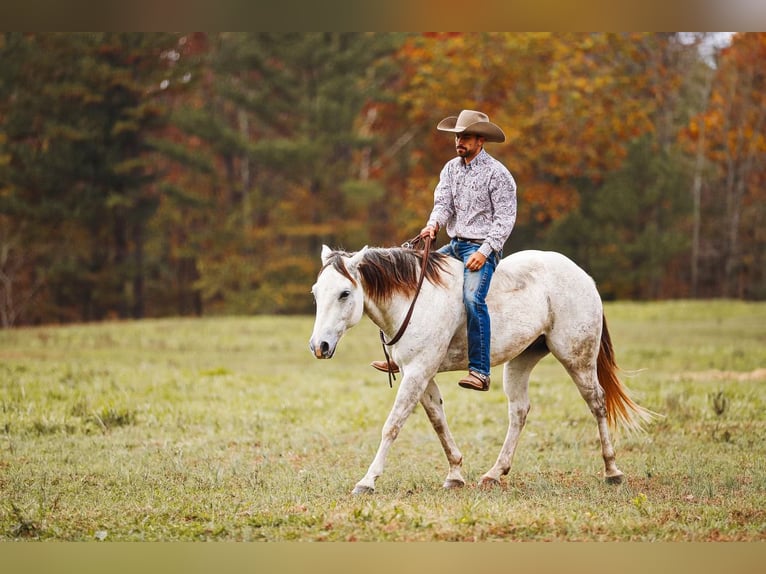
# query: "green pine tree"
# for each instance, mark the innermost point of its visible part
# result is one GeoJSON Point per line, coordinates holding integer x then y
{"type": "Point", "coordinates": [79, 112]}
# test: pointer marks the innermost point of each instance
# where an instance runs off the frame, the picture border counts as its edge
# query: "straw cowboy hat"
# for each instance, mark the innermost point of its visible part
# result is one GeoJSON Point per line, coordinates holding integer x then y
{"type": "Point", "coordinates": [472, 122]}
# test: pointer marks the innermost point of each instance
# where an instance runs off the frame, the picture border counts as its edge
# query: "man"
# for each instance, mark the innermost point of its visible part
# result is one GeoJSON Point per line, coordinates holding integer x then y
{"type": "Point", "coordinates": [475, 200]}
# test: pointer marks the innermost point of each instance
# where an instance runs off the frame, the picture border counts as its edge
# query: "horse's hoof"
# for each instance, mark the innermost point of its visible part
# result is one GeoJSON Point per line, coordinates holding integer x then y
{"type": "Point", "coordinates": [616, 479]}
{"type": "Point", "coordinates": [361, 489]}
{"type": "Point", "coordinates": [488, 482]}
{"type": "Point", "coordinates": [453, 483]}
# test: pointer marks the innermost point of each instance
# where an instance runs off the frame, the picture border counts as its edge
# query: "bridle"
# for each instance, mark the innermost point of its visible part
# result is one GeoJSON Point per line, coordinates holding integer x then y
{"type": "Point", "coordinates": [411, 244]}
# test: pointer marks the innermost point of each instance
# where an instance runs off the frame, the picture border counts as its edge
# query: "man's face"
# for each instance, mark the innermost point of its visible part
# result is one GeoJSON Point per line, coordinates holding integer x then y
{"type": "Point", "coordinates": [468, 145]}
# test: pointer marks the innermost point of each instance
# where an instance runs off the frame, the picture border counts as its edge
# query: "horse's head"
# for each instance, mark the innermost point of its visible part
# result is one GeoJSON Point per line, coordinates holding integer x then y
{"type": "Point", "coordinates": [339, 300]}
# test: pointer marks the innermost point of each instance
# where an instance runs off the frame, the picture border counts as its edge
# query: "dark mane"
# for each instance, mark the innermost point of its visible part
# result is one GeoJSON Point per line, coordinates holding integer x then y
{"type": "Point", "coordinates": [386, 272]}
{"type": "Point", "coordinates": [336, 260]}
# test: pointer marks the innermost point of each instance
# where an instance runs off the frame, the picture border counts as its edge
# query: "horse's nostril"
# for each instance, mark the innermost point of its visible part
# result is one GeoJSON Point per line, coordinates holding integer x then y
{"type": "Point", "coordinates": [324, 347]}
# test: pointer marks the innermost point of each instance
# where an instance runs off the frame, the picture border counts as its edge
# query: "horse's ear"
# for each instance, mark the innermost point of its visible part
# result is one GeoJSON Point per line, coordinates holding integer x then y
{"type": "Point", "coordinates": [326, 253]}
{"type": "Point", "coordinates": [356, 258]}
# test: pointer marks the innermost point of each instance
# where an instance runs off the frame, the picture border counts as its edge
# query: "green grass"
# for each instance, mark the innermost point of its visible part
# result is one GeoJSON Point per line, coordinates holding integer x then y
{"type": "Point", "coordinates": [229, 429]}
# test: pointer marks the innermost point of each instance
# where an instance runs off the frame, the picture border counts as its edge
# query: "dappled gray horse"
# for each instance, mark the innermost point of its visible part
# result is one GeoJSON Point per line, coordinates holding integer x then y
{"type": "Point", "coordinates": [540, 302]}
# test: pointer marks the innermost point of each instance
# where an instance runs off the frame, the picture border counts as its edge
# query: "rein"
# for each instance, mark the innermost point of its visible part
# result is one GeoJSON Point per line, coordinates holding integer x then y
{"type": "Point", "coordinates": [424, 264]}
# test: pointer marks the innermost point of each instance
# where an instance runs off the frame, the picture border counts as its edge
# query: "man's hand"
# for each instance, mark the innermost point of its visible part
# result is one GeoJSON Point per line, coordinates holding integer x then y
{"type": "Point", "coordinates": [429, 231]}
{"type": "Point", "coordinates": [475, 261]}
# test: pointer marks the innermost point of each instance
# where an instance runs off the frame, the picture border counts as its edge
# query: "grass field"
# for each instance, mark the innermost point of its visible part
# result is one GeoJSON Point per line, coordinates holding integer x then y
{"type": "Point", "coordinates": [229, 429]}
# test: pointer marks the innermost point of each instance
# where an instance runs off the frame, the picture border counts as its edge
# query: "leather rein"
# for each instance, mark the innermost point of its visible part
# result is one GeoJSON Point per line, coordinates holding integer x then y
{"type": "Point", "coordinates": [424, 264]}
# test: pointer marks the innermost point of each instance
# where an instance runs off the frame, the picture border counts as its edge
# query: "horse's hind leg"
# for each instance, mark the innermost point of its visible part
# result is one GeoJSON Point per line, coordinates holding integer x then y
{"type": "Point", "coordinates": [586, 379]}
{"type": "Point", "coordinates": [516, 385]}
{"type": "Point", "coordinates": [434, 407]}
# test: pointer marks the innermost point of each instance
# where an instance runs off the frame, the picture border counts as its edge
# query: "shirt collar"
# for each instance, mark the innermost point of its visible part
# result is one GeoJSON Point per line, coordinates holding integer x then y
{"type": "Point", "coordinates": [480, 159]}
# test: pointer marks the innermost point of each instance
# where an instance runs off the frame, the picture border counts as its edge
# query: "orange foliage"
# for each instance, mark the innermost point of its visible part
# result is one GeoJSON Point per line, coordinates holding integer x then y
{"type": "Point", "coordinates": [568, 103]}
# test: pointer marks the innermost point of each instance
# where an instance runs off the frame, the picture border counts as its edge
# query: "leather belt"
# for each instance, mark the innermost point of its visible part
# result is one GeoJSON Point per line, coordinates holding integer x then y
{"type": "Point", "coordinates": [465, 239]}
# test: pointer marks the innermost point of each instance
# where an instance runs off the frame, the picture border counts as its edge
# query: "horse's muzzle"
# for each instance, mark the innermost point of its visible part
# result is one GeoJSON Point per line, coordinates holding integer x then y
{"type": "Point", "coordinates": [323, 350]}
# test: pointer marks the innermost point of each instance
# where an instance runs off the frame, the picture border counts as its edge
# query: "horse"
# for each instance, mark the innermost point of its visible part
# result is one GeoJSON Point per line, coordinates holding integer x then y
{"type": "Point", "coordinates": [540, 302]}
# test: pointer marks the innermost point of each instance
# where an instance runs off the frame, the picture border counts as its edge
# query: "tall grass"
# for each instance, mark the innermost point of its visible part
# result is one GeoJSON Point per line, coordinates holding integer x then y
{"type": "Point", "coordinates": [229, 429]}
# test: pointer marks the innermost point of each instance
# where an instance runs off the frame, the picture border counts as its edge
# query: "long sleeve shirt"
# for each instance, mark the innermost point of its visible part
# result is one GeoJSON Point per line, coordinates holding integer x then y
{"type": "Point", "coordinates": [476, 201]}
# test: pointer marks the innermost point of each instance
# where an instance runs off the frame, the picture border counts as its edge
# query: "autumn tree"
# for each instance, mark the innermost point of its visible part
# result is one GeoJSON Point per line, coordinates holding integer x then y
{"type": "Point", "coordinates": [734, 128]}
{"type": "Point", "coordinates": [569, 104]}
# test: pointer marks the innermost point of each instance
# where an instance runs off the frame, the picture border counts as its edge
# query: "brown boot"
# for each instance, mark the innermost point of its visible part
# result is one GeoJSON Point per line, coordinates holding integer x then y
{"type": "Point", "coordinates": [383, 366]}
{"type": "Point", "coordinates": [475, 381]}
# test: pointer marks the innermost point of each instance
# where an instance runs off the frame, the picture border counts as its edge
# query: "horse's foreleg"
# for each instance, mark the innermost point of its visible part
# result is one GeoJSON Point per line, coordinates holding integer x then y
{"type": "Point", "coordinates": [516, 386]}
{"type": "Point", "coordinates": [407, 397]}
{"type": "Point", "coordinates": [434, 407]}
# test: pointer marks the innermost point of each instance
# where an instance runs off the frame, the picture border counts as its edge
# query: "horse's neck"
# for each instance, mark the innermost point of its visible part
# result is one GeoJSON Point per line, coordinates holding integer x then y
{"type": "Point", "coordinates": [389, 316]}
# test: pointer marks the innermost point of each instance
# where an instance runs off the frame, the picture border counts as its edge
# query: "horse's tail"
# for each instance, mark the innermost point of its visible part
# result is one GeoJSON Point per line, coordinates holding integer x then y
{"type": "Point", "coordinates": [619, 406]}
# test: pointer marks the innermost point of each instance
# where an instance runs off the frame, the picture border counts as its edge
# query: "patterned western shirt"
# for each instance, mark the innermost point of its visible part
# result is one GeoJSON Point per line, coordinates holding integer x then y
{"type": "Point", "coordinates": [476, 201]}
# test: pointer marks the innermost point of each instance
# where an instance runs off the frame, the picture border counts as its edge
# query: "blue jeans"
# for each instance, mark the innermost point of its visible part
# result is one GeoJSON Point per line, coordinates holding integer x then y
{"type": "Point", "coordinates": [475, 289]}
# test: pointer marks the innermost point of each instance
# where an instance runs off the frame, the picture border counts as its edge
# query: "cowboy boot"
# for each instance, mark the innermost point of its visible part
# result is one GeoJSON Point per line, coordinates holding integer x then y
{"type": "Point", "coordinates": [383, 366]}
{"type": "Point", "coordinates": [475, 381]}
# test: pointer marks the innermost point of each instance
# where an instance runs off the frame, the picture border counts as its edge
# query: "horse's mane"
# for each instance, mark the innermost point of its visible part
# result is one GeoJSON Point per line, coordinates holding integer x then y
{"type": "Point", "coordinates": [385, 272]}
{"type": "Point", "coordinates": [336, 260]}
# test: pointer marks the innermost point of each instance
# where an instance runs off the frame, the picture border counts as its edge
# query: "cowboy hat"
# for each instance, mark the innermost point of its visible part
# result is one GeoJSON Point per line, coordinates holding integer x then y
{"type": "Point", "coordinates": [472, 122]}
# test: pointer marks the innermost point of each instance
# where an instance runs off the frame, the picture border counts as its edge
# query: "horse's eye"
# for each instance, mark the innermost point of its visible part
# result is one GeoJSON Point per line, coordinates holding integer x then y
{"type": "Point", "coordinates": [344, 294]}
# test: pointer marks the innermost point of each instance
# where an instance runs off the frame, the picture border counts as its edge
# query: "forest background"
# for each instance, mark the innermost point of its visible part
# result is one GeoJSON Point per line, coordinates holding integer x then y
{"type": "Point", "coordinates": [148, 175]}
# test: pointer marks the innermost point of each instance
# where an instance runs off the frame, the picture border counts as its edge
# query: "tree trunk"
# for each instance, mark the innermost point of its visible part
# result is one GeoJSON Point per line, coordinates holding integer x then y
{"type": "Point", "coordinates": [245, 179]}
{"type": "Point", "coordinates": [138, 271]}
{"type": "Point", "coordinates": [696, 210]}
